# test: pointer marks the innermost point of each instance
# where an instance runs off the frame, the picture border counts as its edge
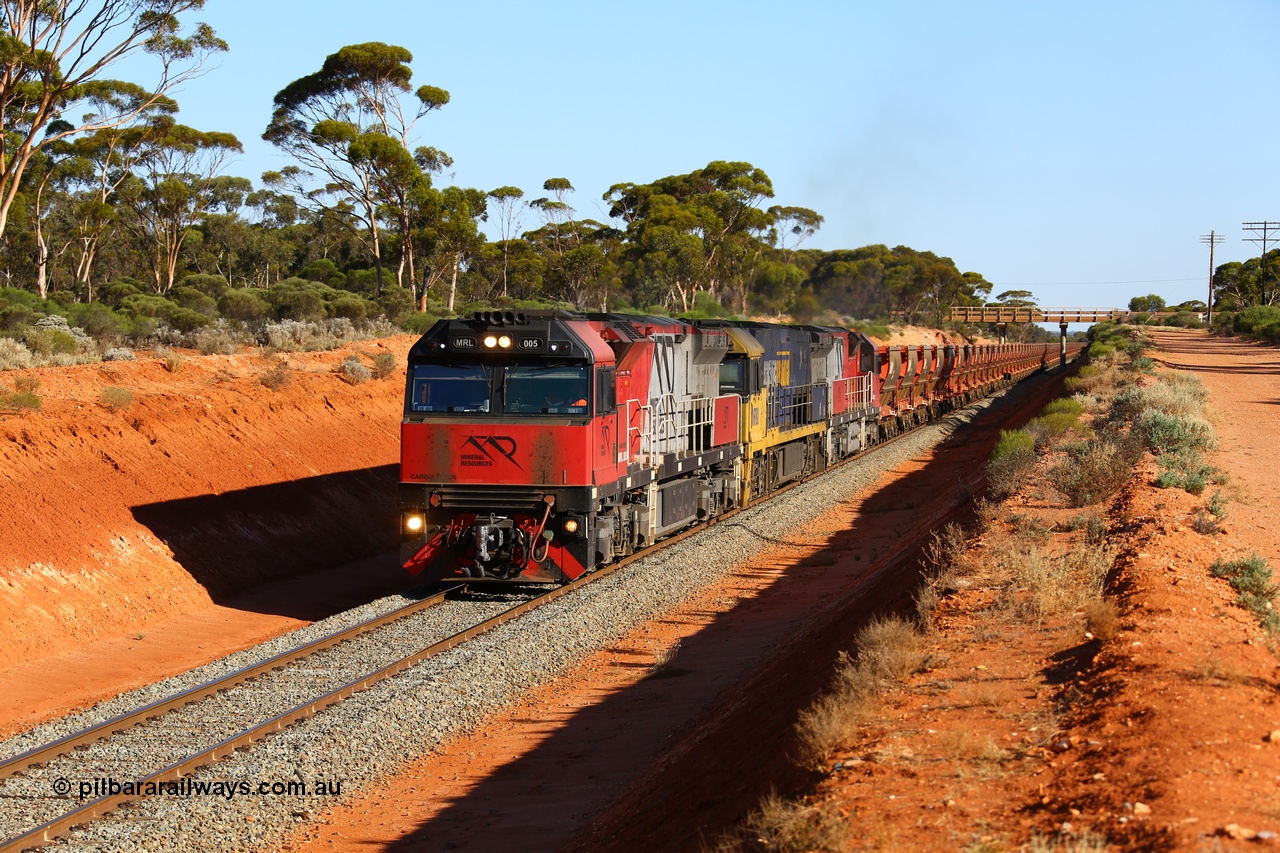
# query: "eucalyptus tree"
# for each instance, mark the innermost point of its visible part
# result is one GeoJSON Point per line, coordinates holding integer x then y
{"type": "Point", "coordinates": [452, 235]}
{"type": "Point", "coordinates": [1239, 285]}
{"type": "Point", "coordinates": [53, 51]}
{"type": "Point", "coordinates": [577, 253]}
{"type": "Point", "coordinates": [704, 228]}
{"type": "Point", "coordinates": [1017, 298]}
{"type": "Point", "coordinates": [1148, 304]}
{"type": "Point", "coordinates": [97, 163]}
{"type": "Point", "coordinates": [791, 227]}
{"type": "Point", "coordinates": [349, 126]}
{"type": "Point", "coordinates": [505, 202]}
{"type": "Point", "coordinates": [171, 189]}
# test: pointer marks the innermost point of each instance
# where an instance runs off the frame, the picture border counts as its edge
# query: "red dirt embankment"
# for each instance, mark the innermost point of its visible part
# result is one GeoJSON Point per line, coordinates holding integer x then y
{"type": "Point", "coordinates": [113, 515]}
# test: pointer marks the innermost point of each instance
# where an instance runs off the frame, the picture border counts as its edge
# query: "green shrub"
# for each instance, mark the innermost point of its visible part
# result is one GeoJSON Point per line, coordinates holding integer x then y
{"type": "Point", "coordinates": [1086, 378]}
{"type": "Point", "coordinates": [1183, 471]}
{"type": "Point", "coordinates": [98, 321]}
{"type": "Point", "coordinates": [195, 300]}
{"type": "Point", "coordinates": [205, 283]}
{"type": "Point", "coordinates": [1170, 434]}
{"type": "Point", "coordinates": [1142, 364]}
{"type": "Point", "coordinates": [296, 299]}
{"type": "Point", "coordinates": [351, 307]}
{"type": "Point", "coordinates": [1064, 405]}
{"type": "Point", "coordinates": [384, 364]}
{"type": "Point", "coordinates": [47, 342]}
{"type": "Point", "coordinates": [243, 305]}
{"type": "Point", "coordinates": [1013, 442]}
{"type": "Point", "coordinates": [1096, 469]}
{"type": "Point", "coordinates": [25, 397]}
{"type": "Point", "coordinates": [1011, 463]}
{"type": "Point", "coordinates": [1254, 318]}
{"type": "Point", "coordinates": [1251, 578]}
{"type": "Point", "coordinates": [114, 292]}
{"type": "Point", "coordinates": [1046, 428]}
{"type": "Point", "coordinates": [116, 399]}
{"type": "Point", "coordinates": [419, 322]}
{"type": "Point", "coordinates": [147, 305]}
{"type": "Point", "coordinates": [186, 319]}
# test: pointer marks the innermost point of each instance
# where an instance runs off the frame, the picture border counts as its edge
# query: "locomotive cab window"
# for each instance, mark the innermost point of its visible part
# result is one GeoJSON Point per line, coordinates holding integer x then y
{"type": "Point", "coordinates": [605, 391]}
{"type": "Point", "coordinates": [733, 376]}
{"type": "Point", "coordinates": [547, 389]}
{"type": "Point", "coordinates": [450, 388]}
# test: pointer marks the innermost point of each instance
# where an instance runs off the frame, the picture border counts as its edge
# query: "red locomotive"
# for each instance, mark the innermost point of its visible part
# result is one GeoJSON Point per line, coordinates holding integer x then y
{"type": "Point", "coordinates": [536, 447]}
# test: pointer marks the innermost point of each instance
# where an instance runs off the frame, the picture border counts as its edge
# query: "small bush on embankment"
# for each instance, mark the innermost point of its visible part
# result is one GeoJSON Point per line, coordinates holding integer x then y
{"type": "Point", "coordinates": [24, 397]}
{"type": "Point", "coordinates": [1011, 462]}
{"type": "Point", "coordinates": [1252, 579]}
{"type": "Point", "coordinates": [888, 651]}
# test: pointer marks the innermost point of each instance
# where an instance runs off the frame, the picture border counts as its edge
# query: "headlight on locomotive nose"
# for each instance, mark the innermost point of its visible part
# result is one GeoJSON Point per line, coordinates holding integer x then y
{"type": "Point", "coordinates": [413, 523]}
{"type": "Point", "coordinates": [571, 525]}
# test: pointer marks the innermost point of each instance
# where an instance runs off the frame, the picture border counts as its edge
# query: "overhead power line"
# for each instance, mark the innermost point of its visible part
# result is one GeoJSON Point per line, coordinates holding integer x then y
{"type": "Point", "coordinates": [1213, 238]}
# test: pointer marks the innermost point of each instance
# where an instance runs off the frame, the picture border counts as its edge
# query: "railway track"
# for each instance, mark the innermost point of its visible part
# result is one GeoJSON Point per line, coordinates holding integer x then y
{"type": "Point", "coordinates": [167, 740]}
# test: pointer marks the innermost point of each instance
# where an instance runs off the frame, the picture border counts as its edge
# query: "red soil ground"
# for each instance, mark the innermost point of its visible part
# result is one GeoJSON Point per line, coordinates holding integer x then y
{"type": "Point", "coordinates": [137, 541]}
{"type": "Point", "coordinates": [111, 517]}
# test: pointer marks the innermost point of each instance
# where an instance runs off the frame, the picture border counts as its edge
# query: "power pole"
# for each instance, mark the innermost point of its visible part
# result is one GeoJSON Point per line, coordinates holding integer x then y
{"type": "Point", "coordinates": [1213, 239]}
{"type": "Point", "coordinates": [1264, 233]}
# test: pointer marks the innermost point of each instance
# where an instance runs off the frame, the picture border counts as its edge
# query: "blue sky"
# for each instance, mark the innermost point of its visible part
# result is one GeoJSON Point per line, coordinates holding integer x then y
{"type": "Point", "coordinates": [1077, 149]}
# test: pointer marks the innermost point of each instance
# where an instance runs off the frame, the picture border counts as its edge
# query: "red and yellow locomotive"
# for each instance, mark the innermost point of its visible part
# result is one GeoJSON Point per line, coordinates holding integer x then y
{"type": "Point", "coordinates": [536, 447]}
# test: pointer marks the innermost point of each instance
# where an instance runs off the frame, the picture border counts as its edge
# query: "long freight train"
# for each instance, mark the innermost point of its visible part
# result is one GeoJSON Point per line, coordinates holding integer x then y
{"type": "Point", "coordinates": [536, 447]}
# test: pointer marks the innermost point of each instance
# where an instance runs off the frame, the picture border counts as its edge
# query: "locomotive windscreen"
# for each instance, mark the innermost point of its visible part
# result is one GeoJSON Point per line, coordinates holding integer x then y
{"type": "Point", "coordinates": [514, 389]}
{"type": "Point", "coordinates": [539, 389]}
{"type": "Point", "coordinates": [449, 388]}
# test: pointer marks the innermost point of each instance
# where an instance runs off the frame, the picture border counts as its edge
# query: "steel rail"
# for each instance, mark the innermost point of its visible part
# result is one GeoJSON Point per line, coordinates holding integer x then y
{"type": "Point", "coordinates": [89, 811]}
{"type": "Point", "coordinates": [40, 754]}
{"type": "Point", "coordinates": [50, 830]}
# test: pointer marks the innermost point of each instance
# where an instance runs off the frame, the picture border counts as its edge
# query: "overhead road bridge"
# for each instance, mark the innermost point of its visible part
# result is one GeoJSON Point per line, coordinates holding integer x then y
{"type": "Point", "coordinates": [1061, 316]}
{"type": "Point", "coordinates": [1002, 315]}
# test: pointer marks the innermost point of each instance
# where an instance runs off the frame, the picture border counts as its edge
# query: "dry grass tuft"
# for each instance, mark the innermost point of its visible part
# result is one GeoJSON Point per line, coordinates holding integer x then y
{"type": "Point", "coordinates": [277, 378]}
{"type": "Point", "coordinates": [1103, 618]}
{"type": "Point", "coordinates": [786, 825]}
{"type": "Point", "coordinates": [889, 649]}
{"type": "Point", "coordinates": [947, 559]}
{"type": "Point", "coordinates": [115, 398]}
{"type": "Point", "coordinates": [1067, 842]}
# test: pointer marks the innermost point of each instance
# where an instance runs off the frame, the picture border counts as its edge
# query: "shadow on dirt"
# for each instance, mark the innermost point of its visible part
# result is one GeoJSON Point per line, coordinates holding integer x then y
{"type": "Point", "coordinates": [670, 762]}
{"type": "Point", "coordinates": [247, 539]}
